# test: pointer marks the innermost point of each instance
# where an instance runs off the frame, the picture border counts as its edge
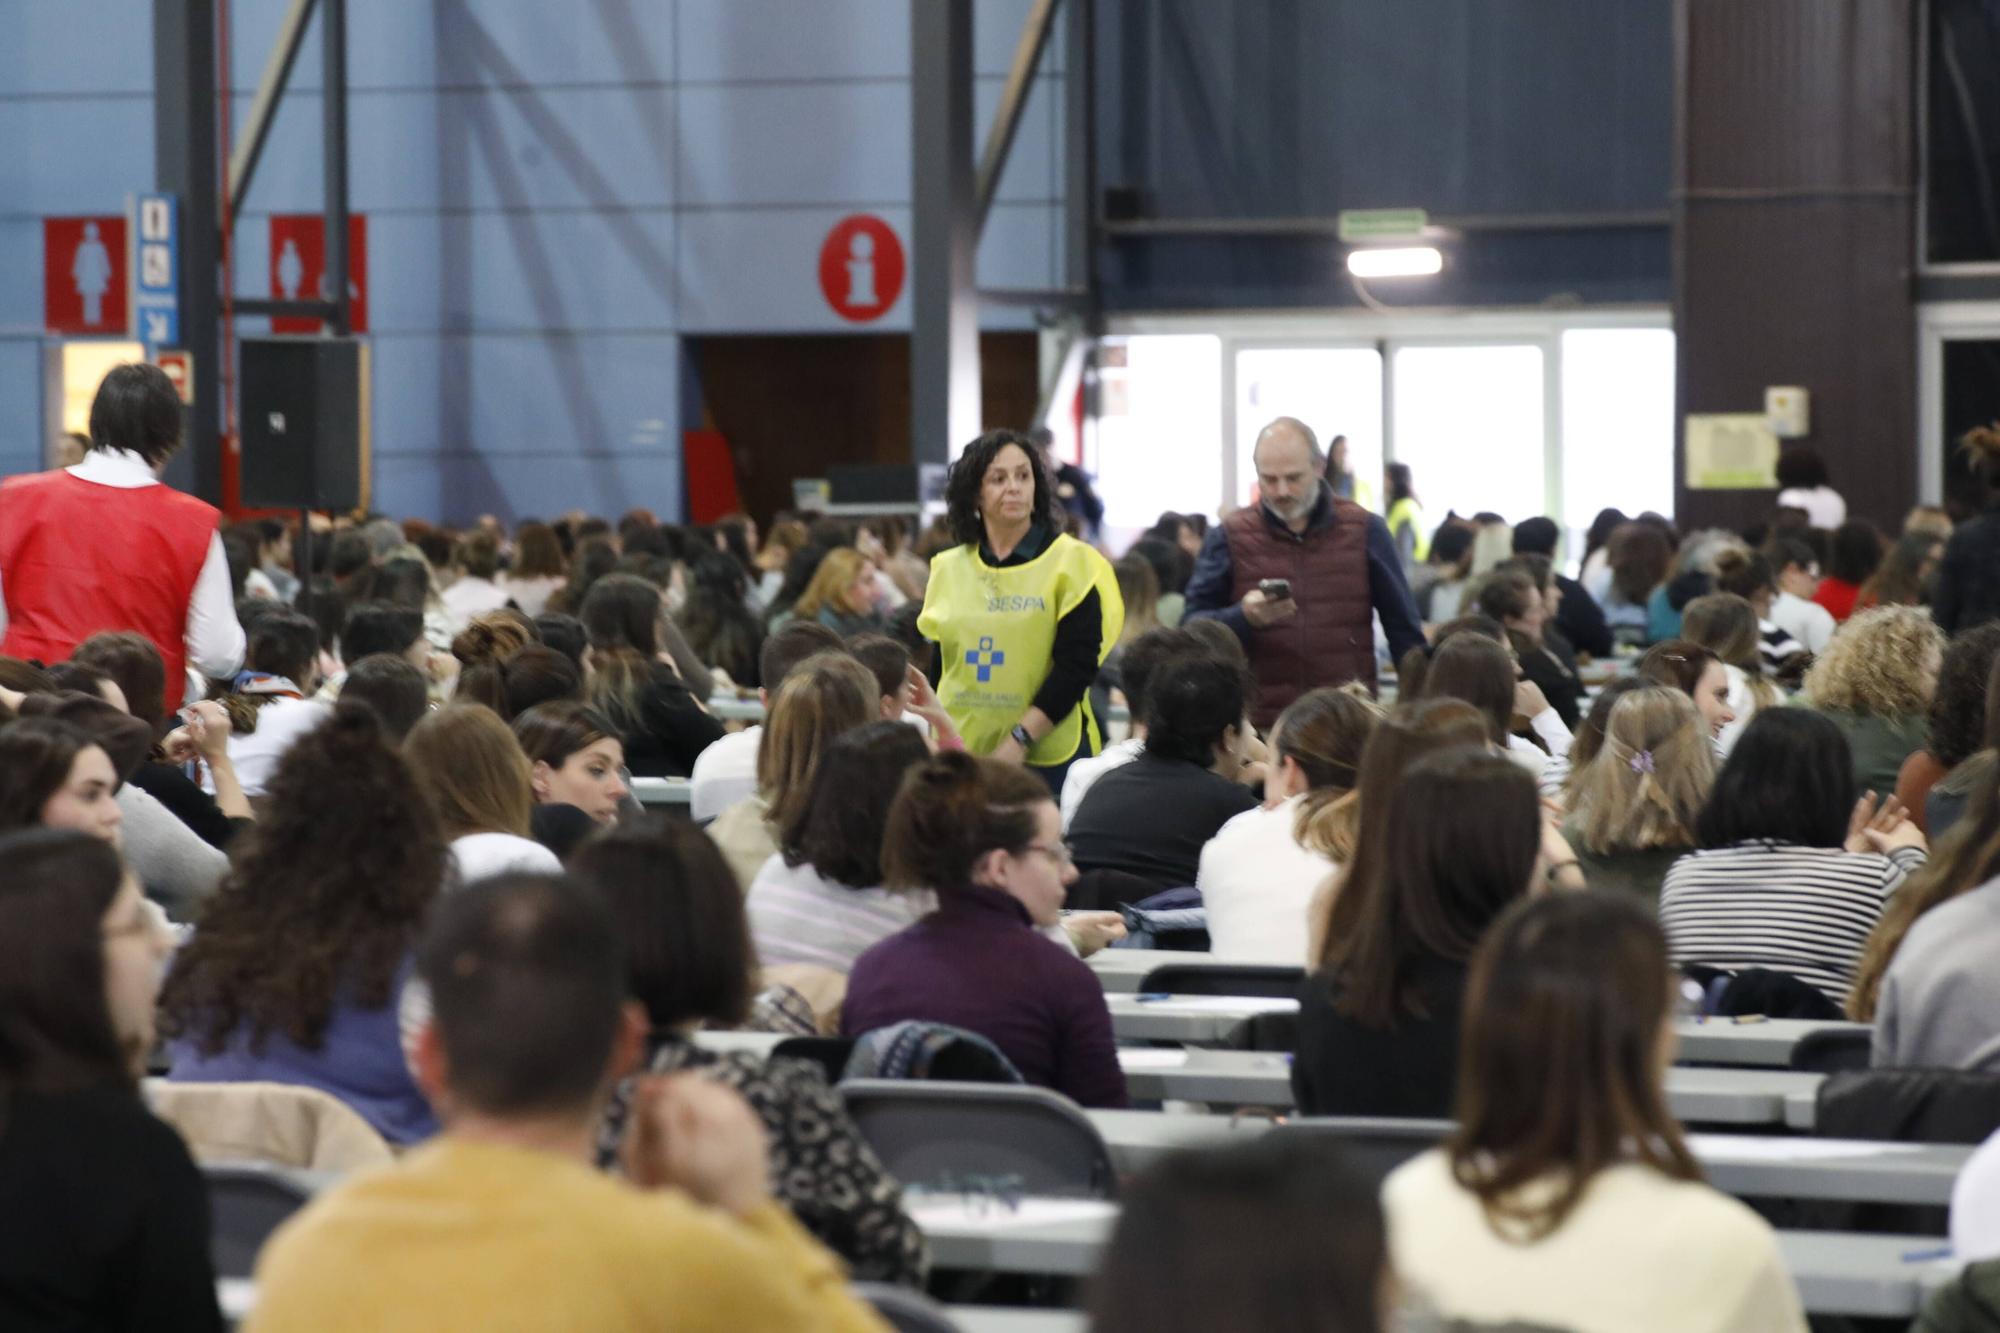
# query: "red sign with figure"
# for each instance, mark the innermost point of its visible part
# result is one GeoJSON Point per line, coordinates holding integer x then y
{"type": "Point", "coordinates": [861, 267]}
{"type": "Point", "coordinates": [298, 267]}
{"type": "Point", "coordinates": [84, 277]}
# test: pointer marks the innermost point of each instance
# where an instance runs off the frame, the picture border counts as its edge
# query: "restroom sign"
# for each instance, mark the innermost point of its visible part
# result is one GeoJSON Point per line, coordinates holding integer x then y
{"type": "Point", "coordinates": [861, 267]}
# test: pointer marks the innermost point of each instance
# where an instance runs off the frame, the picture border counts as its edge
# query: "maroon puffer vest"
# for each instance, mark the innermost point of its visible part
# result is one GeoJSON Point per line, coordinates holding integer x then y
{"type": "Point", "coordinates": [1332, 639]}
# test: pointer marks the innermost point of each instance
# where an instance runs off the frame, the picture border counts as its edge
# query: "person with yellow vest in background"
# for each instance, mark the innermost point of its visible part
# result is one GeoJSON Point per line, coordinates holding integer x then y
{"type": "Point", "coordinates": [1406, 517]}
{"type": "Point", "coordinates": [1023, 614]}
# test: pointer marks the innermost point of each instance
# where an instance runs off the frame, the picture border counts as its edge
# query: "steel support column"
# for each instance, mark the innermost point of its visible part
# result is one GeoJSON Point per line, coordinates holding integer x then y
{"type": "Point", "coordinates": [333, 64]}
{"type": "Point", "coordinates": [186, 163]}
{"type": "Point", "coordinates": [944, 302]}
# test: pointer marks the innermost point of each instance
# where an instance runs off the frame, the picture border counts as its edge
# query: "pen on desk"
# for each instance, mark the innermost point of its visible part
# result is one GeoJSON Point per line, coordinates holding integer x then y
{"type": "Point", "coordinates": [1925, 1256]}
{"type": "Point", "coordinates": [1149, 996]}
{"type": "Point", "coordinates": [1750, 1018]}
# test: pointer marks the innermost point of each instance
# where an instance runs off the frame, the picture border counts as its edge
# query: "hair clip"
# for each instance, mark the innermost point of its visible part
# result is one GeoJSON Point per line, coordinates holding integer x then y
{"type": "Point", "coordinates": [1642, 762]}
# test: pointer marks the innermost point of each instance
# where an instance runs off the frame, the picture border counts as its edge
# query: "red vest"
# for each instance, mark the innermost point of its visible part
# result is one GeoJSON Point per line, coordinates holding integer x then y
{"type": "Point", "coordinates": [77, 558]}
{"type": "Point", "coordinates": [1332, 639]}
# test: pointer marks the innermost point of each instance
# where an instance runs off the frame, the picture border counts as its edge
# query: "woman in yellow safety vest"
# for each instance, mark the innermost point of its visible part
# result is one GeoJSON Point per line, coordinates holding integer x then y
{"type": "Point", "coordinates": [1406, 517]}
{"type": "Point", "coordinates": [1023, 614]}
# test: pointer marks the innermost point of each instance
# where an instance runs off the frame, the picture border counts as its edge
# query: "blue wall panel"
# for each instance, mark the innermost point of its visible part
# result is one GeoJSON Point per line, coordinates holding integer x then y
{"type": "Point", "coordinates": [557, 193]}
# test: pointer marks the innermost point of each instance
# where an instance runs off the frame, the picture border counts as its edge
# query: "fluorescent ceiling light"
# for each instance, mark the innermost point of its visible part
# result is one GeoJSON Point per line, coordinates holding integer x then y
{"type": "Point", "coordinates": [1412, 262]}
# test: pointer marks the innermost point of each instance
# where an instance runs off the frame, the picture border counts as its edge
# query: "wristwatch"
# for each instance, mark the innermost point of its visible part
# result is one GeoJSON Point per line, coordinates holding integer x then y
{"type": "Point", "coordinates": [1021, 736]}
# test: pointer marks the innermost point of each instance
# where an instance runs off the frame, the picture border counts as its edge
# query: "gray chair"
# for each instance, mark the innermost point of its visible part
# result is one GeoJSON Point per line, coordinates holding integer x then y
{"type": "Point", "coordinates": [904, 1310]}
{"type": "Point", "coordinates": [1373, 1146]}
{"type": "Point", "coordinates": [939, 1135]}
{"type": "Point", "coordinates": [246, 1203]}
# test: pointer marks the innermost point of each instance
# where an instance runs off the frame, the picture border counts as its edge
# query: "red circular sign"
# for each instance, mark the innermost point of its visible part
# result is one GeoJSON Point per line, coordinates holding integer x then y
{"type": "Point", "coordinates": [861, 267]}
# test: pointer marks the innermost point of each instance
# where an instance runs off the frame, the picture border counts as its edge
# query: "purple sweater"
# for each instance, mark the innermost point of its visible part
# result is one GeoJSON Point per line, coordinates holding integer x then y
{"type": "Point", "coordinates": [976, 963]}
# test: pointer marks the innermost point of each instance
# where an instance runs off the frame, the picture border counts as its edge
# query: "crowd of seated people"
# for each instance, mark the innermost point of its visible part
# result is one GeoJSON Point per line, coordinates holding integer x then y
{"type": "Point", "coordinates": [399, 859]}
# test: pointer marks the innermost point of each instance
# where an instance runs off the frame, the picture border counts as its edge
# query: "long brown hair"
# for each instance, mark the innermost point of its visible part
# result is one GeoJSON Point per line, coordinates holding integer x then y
{"type": "Point", "coordinates": [823, 698]}
{"type": "Point", "coordinates": [621, 616]}
{"type": "Point", "coordinates": [1324, 732]}
{"type": "Point", "coordinates": [56, 1030]}
{"type": "Point", "coordinates": [1474, 668]}
{"type": "Point", "coordinates": [1463, 833]}
{"type": "Point", "coordinates": [1559, 1073]}
{"type": "Point", "coordinates": [1418, 729]}
{"type": "Point", "coordinates": [1963, 859]}
{"type": "Point", "coordinates": [324, 899]}
{"type": "Point", "coordinates": [537, 553]}
{"type": "Point", "coordinates": [472, 770]}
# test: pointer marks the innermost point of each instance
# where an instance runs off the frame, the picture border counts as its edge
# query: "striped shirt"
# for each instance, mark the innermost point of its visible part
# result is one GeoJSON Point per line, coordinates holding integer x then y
{"type": "Point", "coordinates": [1806, 911]}
{"type": "Point", "coordinates": [1778, 647]}
{"type": "Point", "coordinates": [796, 916]}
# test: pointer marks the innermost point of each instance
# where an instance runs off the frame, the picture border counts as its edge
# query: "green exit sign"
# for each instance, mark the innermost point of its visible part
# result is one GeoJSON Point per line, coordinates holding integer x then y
{"type": "Point", "coordinates": [1382, 224]}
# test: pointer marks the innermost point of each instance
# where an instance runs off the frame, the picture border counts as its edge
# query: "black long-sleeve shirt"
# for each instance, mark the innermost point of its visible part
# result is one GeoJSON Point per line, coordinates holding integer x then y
{"type": "Point", "coordinates": [104, 1219]}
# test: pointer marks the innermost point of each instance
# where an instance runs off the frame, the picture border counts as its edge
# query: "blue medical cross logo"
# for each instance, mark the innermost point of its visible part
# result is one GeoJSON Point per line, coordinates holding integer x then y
{"type": "Point", "coordinates": [984, 658]}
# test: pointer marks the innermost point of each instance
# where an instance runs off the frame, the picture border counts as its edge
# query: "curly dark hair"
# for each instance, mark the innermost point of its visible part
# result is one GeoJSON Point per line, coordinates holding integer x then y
{"type": "Point", "coordinates": [324, 899]}
{"type": "Point", "coordinates": [1958, 709]}
{"type": "Point", "coordinates": [961, 491]}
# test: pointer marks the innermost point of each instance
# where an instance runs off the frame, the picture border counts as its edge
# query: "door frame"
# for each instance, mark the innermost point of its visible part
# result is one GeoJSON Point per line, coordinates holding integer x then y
{"type": "Point", "coordinates": [1940, 322]}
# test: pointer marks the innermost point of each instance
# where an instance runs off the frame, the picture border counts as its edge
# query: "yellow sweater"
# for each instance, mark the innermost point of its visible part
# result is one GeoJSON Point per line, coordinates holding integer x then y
{"type": "Point", "coordinates": [504, 1240]}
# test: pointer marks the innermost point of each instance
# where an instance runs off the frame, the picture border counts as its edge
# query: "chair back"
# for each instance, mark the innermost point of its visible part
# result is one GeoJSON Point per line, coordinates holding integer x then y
{"type": "Point", "coordinates": [278, 1124]}
{"type": "Point", "coordinates": [1830, 1050]}
{"type": "Point", "coordinates": [1373, 1146]}
{"type": "Point", "coordinates": [904, 1310]}
{"type": "Point", "coordinates": [944, 1135]}
{"type": "Point", "coordinates": [831, 1054]}
{"type": "Point", "coordinates": [246, 1203]}
{"type": "Point", "coordinates": [1260, 979]}
{"type": "Point", "coordinates": [914, 1049]}
{"type": "Point", "coordinates": [1908, 1105]}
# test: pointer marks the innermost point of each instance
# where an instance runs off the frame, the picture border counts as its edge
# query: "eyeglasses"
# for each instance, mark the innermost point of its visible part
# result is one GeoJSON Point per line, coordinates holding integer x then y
{"type": "Point", "coordinates": [1056, 853]}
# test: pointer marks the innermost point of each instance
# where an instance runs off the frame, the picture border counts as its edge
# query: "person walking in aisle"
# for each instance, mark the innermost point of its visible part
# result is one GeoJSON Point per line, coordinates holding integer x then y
{"type": "Point", "coordinates": [1022, 614]}
{"type": "Point", "coordinates": [104, 546]}
{"type": "Point", "coordinates": [1301, 576]}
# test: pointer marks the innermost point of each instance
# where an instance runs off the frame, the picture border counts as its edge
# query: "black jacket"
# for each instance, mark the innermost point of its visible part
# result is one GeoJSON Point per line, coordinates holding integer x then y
{"type": "Point", "coordinates": [1967, 591]}
{"type": "Point", "coordinates": [1581, 619]}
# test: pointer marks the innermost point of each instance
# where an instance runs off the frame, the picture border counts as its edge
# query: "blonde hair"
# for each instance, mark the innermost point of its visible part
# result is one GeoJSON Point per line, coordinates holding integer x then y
{"type": "Point", "coordinates": [1884, 662]}
{"type": "Point", "coordinates": [1726, 625]}
{"type": "Point", "coordinates": [830, 582]}
{"type": "Point", "coordinates": [822, 698]}
{"type": "Point", "coordinates": [1491, 544]}
{"type": "Point", "coordinates": [472, 770]}
{"type": "Point", "coordinates": [1646, 785]}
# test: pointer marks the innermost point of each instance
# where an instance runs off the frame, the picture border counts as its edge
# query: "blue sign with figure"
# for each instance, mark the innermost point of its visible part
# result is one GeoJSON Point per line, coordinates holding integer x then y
{"type": "Point", "coordinates": [156, 269]}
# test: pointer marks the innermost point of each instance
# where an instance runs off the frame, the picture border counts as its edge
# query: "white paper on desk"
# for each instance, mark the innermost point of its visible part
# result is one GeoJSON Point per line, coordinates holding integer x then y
{"type": "Point", "coordinates": [1792, 1150]}
{"type": "Point", "coordinates": [954, 1212]}
{"type": "Point", "coordinates": [1151, 1057]}
{"type": "Point", "coordinates": [1218, 1004]}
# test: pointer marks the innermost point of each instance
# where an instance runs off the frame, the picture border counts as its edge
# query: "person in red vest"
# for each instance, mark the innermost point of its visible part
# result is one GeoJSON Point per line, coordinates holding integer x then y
{"type": "Point", "coordinates": [1301, 575]}
{"type": "Point", "coordinates": [104, 546]}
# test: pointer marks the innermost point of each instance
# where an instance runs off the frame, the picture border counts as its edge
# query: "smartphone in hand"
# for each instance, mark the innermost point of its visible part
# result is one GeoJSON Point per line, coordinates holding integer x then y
{"type": "Point", "coordinates": [1277, 590]}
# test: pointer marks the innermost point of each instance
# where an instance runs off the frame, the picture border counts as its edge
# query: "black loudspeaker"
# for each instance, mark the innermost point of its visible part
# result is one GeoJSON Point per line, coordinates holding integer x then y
{"type": "Point", "coordinates": [885, 483]}
{"type": "Point", "coordinates": [303, 419]}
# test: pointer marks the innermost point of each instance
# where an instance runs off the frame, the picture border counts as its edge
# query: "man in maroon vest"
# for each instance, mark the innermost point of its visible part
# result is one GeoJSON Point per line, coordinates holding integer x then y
{"type": "Point", "coordinates": [104, 546]}
{"type": "Point", "coordinates": [1301, 577]}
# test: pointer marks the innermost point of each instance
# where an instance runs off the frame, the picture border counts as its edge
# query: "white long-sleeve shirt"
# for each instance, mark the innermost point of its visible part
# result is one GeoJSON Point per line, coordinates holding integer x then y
{"type": "Point", "coordinates": [214, 639]}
